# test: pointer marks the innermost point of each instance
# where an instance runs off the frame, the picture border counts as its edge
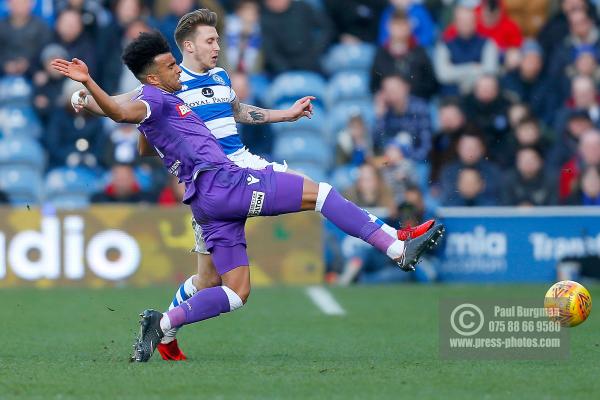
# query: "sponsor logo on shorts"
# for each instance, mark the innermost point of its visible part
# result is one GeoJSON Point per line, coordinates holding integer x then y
{"type": "Point", "coordinates": [256, 205]}
{"type": "Point", "coordinates": [183, 110]}
{"type": "Point", "coordinates": [174, 168]}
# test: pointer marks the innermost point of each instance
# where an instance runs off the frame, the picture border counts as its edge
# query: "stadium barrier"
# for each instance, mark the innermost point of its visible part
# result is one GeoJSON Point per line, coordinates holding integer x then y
{"type": "Point", "coordinates": [143, 245]}
{"type": "Point", "coordinates": [507, 244]}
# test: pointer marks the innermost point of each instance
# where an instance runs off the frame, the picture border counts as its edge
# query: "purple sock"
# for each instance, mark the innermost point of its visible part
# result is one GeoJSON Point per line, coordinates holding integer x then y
{"type": "Point", "coordinates": [351, 219]}
{"type": "Point", "coordinates": [205, 304]}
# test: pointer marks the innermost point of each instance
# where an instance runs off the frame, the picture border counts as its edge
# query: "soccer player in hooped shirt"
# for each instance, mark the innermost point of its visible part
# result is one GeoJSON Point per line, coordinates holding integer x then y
{"type": "Point", "coordinates": [206, 90]}
{"type": "Point", "coordinates": [221, 194]}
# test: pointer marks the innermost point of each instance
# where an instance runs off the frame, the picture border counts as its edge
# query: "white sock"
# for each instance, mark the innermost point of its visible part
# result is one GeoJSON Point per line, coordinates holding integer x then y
{"type": "Point", "coordinates": [395, 250]}
{"type": "Point", "coordinates": [165, 323]}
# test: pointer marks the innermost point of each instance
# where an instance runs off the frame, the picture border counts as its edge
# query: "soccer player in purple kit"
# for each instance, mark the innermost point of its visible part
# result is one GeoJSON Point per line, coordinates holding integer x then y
{"type": "Point", "coordinates": [206, 90]}
{"type": "Point", "coordinates": [221, 194]}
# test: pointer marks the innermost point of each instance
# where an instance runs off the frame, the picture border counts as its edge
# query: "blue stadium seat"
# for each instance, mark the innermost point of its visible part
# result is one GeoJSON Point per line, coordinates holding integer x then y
{"type": "Point", "coordinates": [348, 86]}
{"type": "Point", "coordinates": [64, 181]}
{"type": "Point", "coordinates": [15, 91]}
{"type": "Point", "coordinates": [313, 171]}
{"type": "Point", "coordinates": [20, 121]}
{"type": "Point", "coordinates": [349, 57]}
{"type": "Point", "coordinates": [342, 178]}
{"type": "Point", "coordinates": [316, 124]}
{"type": "Point", "coordinates": [22, 184]}
{"type": "Point", "coordinates": [69, 201]}
{"type": "Point", "coordinates": [23, 151]}
{"type": "Point", "coordinates": [301, 148]}
{"type": "Point", "coordinates": [290, 86]}
{"type": "Point", "coordinates": [341, 113]}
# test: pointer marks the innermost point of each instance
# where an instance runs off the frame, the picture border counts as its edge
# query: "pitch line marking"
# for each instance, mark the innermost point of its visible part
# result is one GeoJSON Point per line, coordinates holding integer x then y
{"type": "Point", "coordinates": [324, 300]}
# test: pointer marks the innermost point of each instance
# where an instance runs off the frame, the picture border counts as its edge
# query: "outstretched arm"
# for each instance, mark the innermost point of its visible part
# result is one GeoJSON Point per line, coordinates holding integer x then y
{"type": "Point", "coordinates": [82, 100]}
{"type": "Point", "coordinates": [131, 111]}
{"type": "Point", "coordinates": [248, 114]}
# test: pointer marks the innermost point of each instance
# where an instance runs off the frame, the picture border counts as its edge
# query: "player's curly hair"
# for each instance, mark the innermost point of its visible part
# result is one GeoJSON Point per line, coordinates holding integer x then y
{"type": "Point", "coordinates": [139, 55]}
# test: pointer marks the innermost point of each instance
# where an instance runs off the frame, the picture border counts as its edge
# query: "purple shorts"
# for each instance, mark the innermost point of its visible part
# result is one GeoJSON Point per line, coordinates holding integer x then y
{"type": "Point", "coordinates": [226, 197]}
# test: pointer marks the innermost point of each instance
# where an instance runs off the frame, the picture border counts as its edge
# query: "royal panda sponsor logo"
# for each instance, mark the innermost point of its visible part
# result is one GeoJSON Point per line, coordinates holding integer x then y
{"type": "Point", "coordinates": [256, 204]}
{"type": "Point", "coordinates": [208, 92]}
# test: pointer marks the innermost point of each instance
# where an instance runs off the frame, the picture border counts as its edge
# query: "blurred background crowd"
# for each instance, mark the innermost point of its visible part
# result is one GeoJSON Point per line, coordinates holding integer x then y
{"type": "Point", "coordinates": [420, 103]}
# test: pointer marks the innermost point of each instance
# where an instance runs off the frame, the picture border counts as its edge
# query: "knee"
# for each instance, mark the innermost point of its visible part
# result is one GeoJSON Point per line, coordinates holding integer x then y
{"type": "Point", "coordinates": [243, 293]}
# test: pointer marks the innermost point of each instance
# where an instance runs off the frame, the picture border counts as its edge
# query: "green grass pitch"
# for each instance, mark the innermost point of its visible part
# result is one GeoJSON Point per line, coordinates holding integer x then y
{"type": "Point", "coordinates": [75, 344]}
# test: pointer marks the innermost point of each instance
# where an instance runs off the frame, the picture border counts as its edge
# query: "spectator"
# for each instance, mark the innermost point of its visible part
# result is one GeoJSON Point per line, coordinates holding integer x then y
{"type": "Point", "coordinates": [401, 55]}
{"type": "Point", "coordinates": [403, 117]}
{"type": "Point", "coordinates": [398, 171]}
{"type": "Point", "coordinates": [423, 28]}
{"type": "Point", "coordinates": [471, 154]}
{"type": "Point", "coordinates": [295, 35]}
{"type": "Point", "coordinates": [528, 184]}
{"type": "Point", "coordinates": [493, 23]}
{"type": "Point", "coordinates": [586, 63]}
{"type": "Point", "coordinates": [111, 43]}
{"type": "Point", "coordinates": [93, 14]}
{"type": "Point", "coordinates": [122, 187]}
{"type": "Point", "coordinates": [48, 83]}
{"type": "Point", "coordinates": [469, 190]}
{"type": "Point", "coordinates": [587, 190]}
{"type": "Point", "coordinates": [487, 108]}
{"type": "Point", "coordinates": [70, 34]}
{"type": "Point", "coordinates": [126, 80]}
{"type": "Point", "coordinates": [578, 122]}
{"type": "Point", "coordinates": [242, 33]}
{"type": "Point", "coordinates": [258, 137]}
{"type": "Point", "coordinates": [23, 36]}
{"type": "Point", "coordinates": [584, 96]}
{"type": "Point", "coordinates": [354, 144]}
{"type": "Point", "coordinates": [371, 191]}
{"type": "Point", "coordinates": [453, 124]}
{"type": "Point", "coordinates": [72, 139]}
{"type": "Point", "coordinates": [527, 133]}
{"type": "Point", "coordinates": [526, 84]}
{"type": "Point", "coordinates": [461, 60]}
{"type": "Point", "coordinates": [588, 155]}
{"type": "Point", "coordinates": [557, 27]}
{"type": "Point", "coordinates": [355, 20]}
{"type": "Point", "coordinates": [583, 33]}
{"type": "Point", "coordinates": [172, 194]}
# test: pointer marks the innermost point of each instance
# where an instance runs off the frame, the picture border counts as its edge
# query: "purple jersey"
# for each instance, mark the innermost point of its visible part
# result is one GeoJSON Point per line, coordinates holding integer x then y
{"type": "Point", "coordinates": [179, 136]}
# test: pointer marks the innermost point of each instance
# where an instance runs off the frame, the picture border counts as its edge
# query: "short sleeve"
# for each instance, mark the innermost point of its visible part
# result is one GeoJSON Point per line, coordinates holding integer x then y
{"type": "Point", "coordinates": [153, 101]}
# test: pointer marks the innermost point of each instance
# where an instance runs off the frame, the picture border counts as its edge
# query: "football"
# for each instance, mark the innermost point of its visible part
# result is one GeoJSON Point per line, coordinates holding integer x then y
{"type": "Point", "coordinates": [568, 302]}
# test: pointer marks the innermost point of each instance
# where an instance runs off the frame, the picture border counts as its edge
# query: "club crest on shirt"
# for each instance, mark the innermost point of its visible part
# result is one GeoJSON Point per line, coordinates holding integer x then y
{"type": "Point", "coordinates": [219, 80]}
{"type": "Point", "coordinates": [182, 109]}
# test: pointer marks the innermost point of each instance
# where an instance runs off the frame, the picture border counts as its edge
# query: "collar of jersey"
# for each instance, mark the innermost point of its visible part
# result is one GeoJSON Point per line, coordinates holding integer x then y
{"type": "Point", "coordinates": [192, 73]}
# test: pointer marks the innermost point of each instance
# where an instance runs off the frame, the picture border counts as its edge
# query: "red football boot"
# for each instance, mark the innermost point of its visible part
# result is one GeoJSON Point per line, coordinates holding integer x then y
{"type": "Point", "coordinates": [171, 351]}
{"type": "Point", "coordinates": [409, 232]}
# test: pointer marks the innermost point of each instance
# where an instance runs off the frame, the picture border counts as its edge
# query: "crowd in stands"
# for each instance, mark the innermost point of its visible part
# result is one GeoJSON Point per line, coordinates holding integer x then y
{"type": "Point", "coordinates": [420, 103]}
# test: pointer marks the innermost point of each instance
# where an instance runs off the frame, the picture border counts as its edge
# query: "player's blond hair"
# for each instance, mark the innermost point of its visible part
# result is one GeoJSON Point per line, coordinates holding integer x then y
{"type": "Point", "coordinates": [186, 27]}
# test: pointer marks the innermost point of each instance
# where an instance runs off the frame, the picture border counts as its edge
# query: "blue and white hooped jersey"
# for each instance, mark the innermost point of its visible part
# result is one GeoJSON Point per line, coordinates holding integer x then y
{"type": "Point", "coordinates": [210, 96]}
